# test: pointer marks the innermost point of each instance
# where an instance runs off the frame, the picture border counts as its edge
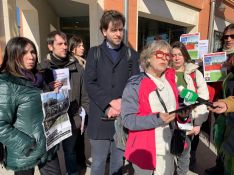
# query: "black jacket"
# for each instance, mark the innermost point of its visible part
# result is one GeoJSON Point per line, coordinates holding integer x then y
{"type": "Point", "coordinates": [77, 95]}
{"type": "Point", "coordinates": [104, 82]}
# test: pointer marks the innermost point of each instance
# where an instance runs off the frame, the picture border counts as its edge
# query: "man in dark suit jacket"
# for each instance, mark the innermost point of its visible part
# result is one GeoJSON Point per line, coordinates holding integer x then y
{"type": "Point", "coordinates": [105, 79]}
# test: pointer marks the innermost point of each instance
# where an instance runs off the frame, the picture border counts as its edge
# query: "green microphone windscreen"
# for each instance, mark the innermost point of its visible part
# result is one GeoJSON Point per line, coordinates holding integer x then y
{"type": "Point", "coordinates": [188, 95]}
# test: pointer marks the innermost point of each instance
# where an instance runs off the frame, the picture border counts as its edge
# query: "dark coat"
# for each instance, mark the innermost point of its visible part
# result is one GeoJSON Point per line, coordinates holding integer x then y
{"type": "Point", "coordinates": [104, 82]}
{"type": "Point", "coordinates": [77, 95]}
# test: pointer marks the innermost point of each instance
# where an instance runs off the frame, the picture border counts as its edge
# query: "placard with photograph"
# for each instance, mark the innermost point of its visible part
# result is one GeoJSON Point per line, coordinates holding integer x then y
{"type": "Point", "coordinates": [56, 123]}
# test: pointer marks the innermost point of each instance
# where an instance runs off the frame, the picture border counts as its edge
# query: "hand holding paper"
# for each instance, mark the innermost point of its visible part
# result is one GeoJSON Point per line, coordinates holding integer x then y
{"type": "Point", "coordinates": [55, 85]}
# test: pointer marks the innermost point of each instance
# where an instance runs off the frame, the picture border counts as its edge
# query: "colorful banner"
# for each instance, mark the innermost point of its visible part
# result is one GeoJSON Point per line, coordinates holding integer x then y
{"type": "Point", "coordinates": [191, 42]}
{"type": "Point", "coordinates": [213, 66]}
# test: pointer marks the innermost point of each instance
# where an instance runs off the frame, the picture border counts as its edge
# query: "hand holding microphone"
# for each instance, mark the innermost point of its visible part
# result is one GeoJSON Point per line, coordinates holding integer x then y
{"type": "Point", "coordinates": [219, 107]}
{"type": "Point", "coordinates": [192, 100]}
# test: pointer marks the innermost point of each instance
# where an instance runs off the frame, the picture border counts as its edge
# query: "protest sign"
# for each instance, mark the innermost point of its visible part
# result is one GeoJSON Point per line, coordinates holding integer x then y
{"type": "Point", "coordinates": [56, 123]}
{"type": "Point", "coordinates": [213, 66]}
{"type": "Point", "coordinates": [191, 42]}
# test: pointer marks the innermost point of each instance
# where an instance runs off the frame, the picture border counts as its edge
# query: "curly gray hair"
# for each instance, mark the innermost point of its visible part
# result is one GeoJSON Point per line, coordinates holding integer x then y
{"type": "Point", "coordinates": [149, 50]}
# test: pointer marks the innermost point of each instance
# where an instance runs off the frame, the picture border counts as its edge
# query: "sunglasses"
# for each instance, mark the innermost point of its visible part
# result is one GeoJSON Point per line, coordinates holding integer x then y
{"type": "Point", "coordinates": [160, 54]}
{"type": "Point", "coordinates": [227, 36]}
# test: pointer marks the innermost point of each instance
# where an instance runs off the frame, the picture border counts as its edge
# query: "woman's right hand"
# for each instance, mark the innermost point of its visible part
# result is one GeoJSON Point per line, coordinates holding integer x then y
{"type": "Point", "coordinates": [167, 118]}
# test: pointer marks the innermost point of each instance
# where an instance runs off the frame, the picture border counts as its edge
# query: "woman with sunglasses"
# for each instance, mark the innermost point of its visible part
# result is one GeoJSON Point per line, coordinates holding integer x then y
{"type": "Point", "coordinates": [227, 148]}
{"type": "Point", "coordinates": [222, 124]}
{"type": "Point", "coordinates": [146, 101]}
{"type": "Point", "coordinates": [21, 115]}
{"type": "Point", "coordinates": [188, 76]}
{"type": "Point", "coordinates": [227, 45]}
{"type": "Point", "coordinates": [227, 41]}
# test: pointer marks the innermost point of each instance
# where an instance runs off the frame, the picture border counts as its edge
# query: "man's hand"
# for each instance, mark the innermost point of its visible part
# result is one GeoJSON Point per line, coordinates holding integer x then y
{"type": "Point", "coordinates": [112, 113]}
{"type": "Point", "coordinates": [116, 104]}
{"type": "Point", "coordinates": [55, 85]}
{"type": "Point", "coordinates": [167, 118]}
{"type": "Point", "coordinates": [220, 107]}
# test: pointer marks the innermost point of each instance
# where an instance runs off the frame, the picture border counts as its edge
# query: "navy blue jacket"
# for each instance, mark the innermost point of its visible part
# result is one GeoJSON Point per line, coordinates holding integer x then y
{"type": "Point", "coordinates": [105, 81]}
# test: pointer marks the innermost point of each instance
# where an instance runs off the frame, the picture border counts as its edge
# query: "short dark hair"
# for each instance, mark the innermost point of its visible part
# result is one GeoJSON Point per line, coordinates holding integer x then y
{"type": "Point", "coordinates": [229, 27]}
{"type": "Point", "coordinates": [181, 46]}
{"type": "Point", "coordinates": [13, 55]}
{"type": "Point", "coordinates": [74, 41]}
{"type": "Point", "coordinates": [51, 36]}
{"type": "Point", "coordinates": [111, 16]}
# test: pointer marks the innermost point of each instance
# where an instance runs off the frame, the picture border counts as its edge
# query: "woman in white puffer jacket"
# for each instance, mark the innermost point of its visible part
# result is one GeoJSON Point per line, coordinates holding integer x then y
{"type": "Point", "coordinates": [188, 76]}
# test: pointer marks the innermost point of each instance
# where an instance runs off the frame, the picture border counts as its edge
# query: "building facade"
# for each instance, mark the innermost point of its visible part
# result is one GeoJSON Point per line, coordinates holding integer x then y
{"type": "Point", "coordinates": [146, 19]}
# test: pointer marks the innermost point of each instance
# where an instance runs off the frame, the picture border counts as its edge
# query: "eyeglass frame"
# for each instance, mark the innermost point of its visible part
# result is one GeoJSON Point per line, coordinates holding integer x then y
{"type": "Point", "coordinates": [168, 56]}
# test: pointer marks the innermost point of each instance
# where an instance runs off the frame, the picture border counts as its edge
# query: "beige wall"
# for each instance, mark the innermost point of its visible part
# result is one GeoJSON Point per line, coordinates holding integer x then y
{"type": "Point", "coordinates": [9, 11]}
{"type": "Point", "coordinates": [38, 20]}
{"type": "Point", "coordinates": [8, 20]}
{"type": "Point", "coordinates": [2, 32]}
{"type": "Point", "coordinates": [167, 11]}
{"type": "Point", "coordinates": [8, 28]}
{"type": "Point", "coordinates": [29, 21]}
{"type": "Point", "coordinates": [48, 21]}
{"type": "Point", "coordinates": [95, 13]}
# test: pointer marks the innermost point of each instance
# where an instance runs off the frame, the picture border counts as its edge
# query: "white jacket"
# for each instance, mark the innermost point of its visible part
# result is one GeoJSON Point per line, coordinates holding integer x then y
{"type": "Point", "coordinates": [200, 113]}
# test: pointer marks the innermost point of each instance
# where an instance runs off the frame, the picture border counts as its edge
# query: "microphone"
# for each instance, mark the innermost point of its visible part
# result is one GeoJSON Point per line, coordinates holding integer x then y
{"type": "Point", "coordinates": [192, 97]}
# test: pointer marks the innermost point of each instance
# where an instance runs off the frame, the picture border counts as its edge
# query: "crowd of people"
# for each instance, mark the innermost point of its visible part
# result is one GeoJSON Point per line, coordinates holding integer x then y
{"type": "Point", "coordinates": [109, 85]}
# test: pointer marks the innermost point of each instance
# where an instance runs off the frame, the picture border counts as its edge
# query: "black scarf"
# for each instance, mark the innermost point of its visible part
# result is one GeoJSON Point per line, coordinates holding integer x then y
{"type": "Point", "coordinates": [59, 62]}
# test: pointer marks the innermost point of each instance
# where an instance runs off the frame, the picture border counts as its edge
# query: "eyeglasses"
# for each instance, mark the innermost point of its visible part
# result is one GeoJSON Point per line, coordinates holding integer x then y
{"type": "Point", "coordinates": [227, 36]}
{"type": "Point", "coordinates": [160, 54]}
